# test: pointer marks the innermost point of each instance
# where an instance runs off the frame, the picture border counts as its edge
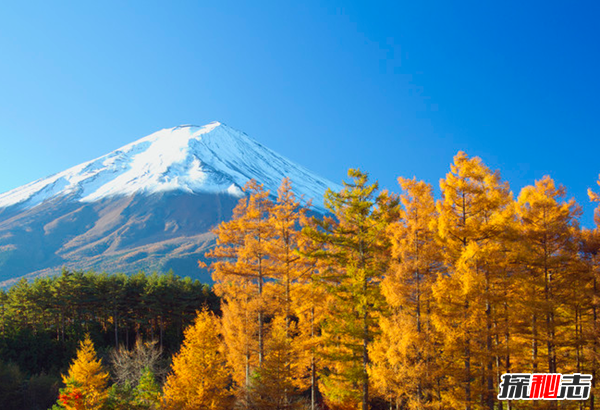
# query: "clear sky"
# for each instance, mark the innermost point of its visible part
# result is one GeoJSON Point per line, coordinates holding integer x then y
{"type": "Point", "coordinates": [395, 88]}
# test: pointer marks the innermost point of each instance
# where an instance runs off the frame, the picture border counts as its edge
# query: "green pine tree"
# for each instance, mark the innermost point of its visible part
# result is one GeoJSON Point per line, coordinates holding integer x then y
{"type": "Point", "coordinates": [147, 393]}
{"type": "Point", "coordinates": [356, 249]}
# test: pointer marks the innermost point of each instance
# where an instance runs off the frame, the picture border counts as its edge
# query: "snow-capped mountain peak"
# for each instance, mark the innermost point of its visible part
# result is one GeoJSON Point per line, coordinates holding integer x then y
{"type": "Point", "coordinates": [213, 158]}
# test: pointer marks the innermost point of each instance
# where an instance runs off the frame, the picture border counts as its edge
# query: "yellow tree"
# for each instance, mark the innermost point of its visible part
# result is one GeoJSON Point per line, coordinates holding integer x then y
{"type": "Point", "coordinates": [240, 272]}
{"type": "Point", "coordinates": [311, 306]}
{"type": "Point", "coordinates": [86, 381]}
{"type": "Point", "coordinates": [594, 197]}
{"type": "Point", "coordinates": [474, 213]}
{"type": "Point", "coordinates": [287, 265]}
{"type": "Point", "coordinates": [200, 377]}
{"type": "Point", "coordinates": [548, 231]}
{"type": "Point", "coordinates": [590, 249]}
{"type": "Point", "coordinates": [275, 384]}
{"type": "Point", "coordinates": [404, 357]}
{"type": "Point", "coordinates": [239, 334]}
{"type": "Point", "coordinates": [288, 270]}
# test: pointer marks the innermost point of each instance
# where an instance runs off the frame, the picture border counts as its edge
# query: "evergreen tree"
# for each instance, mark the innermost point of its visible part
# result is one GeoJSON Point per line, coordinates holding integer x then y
{"type": "Point", "coordinates": [357, 252]}
{"type": "Point", "coordinates": [147, 393]}
{"type": "Point", "coordinates": [11, 385]}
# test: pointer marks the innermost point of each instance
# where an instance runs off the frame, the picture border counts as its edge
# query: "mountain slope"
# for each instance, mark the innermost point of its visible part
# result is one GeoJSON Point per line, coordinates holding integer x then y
{"type": "Point", "coordinates": [148, 205]}
{"type": "Point", "coordinates": [209, 159]}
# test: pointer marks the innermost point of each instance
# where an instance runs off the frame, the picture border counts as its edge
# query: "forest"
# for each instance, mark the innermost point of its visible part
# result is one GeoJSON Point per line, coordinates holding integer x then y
{"type": "Point", "coordinates": [390, 301]}
{"type": "Point", "coordinates": [43, 322]}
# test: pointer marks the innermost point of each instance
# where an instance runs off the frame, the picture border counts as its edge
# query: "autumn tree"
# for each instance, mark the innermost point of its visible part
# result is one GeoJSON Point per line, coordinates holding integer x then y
{"type": "Point", "coordinates": [285, 293]}
{"type": "Point", "coordinates": [474, 214]}
{"type": "Point", "coordinates": [287, 266]}
{"type": "Point", "coordinates": [590, 251]}
{"type": "Point", "coordinates": [311, 306]}
{"type": "Point", "coordinates": [594, 197]}
{"type": "Point", "coordinates": [85, 382]}
{"type": "Point", "coordinates": [275, 384]}
{"type": "Point", "coordinates": [200, 377]}
{"type": "Point", "coordinates": [241, 271]}
{"type": "Point", "coordinates": [404, 356]}
{"type": "Point", "coordinates": [356, 249]}
{"type": "Point", "coordinates": [548, 231]}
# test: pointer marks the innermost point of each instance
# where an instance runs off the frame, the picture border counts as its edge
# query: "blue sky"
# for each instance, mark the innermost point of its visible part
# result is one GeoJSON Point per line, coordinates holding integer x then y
{"type": "Point", "coordinates": [395, 88]}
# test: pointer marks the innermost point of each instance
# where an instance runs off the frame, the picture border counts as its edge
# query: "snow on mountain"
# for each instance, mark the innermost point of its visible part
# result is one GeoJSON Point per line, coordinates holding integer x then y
{"type": "Point", "coordinates": [210, 159]}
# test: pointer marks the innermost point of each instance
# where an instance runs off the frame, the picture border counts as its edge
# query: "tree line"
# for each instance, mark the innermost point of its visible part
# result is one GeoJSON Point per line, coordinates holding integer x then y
{"type": "Point", "coordinates": [398, 300]}
{"type": "Point", "coordinates": [390, 301]}
{"type": "Point", "coordinates": [42, 322]}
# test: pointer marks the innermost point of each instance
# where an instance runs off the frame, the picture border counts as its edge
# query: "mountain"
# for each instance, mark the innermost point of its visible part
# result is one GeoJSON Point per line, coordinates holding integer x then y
{"type": "Point", "coordinates": [149, 205]}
